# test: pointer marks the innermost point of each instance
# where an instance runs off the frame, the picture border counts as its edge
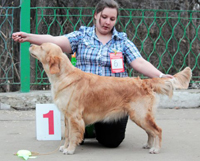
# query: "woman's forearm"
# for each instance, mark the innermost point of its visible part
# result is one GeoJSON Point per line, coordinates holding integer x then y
{"type": "Point", "coordinates": [61, 41]}
{"type": "Point", "coordinates": [39, 39]}
{"type": "Point", "coordinates": [146, 68]}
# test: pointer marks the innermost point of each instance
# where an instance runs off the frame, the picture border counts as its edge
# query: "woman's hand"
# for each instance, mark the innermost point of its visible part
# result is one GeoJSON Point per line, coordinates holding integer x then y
{"type": "Point", "coordinates": [20, 37]}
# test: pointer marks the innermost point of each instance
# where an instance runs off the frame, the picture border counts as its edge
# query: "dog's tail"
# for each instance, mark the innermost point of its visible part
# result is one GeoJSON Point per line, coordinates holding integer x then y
{"type": "Point", "coordinates": [166, 85]}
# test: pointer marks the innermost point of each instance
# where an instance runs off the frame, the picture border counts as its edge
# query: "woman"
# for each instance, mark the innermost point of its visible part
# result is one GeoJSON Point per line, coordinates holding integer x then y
{"type": "Point", "coordinates": [93, 46]}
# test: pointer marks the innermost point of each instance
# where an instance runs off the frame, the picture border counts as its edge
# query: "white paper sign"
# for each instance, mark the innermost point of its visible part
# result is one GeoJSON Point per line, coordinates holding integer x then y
{"type": "Point", "coordinates": [117, 63]}
{"type": "Point", "coordinates": [48, 125]}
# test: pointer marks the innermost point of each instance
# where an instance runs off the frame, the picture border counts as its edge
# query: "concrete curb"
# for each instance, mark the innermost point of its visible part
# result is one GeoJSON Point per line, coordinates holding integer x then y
{"type": "Point", "coordinates": [181, 99]}
{"type": "Point", "coordinates": [4, 106]}
{"type": "Point", "coordinates": [26, 101]}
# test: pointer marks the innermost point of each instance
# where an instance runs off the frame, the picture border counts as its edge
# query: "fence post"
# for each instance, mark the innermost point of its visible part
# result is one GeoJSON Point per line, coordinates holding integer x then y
{"type": "Point", "coordinates": [24, 47]}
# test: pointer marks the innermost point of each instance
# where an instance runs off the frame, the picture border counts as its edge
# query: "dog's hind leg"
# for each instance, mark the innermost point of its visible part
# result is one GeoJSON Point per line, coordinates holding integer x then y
{"type": "Point", "coordinates": [145, 119]}
{"type": "Point", "coordinates": [150, 141]}
{"type": "Point", "coordinates": [154, 134]}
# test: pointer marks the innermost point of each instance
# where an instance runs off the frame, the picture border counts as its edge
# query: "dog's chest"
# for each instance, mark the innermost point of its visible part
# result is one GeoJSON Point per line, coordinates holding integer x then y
{"type": "Point", "coordinates": [63, 99]}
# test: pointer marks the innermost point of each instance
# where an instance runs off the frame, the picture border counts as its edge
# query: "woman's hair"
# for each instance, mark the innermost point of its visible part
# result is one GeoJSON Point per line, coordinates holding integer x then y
{"type": "Point", "coordinates": [106, 3]}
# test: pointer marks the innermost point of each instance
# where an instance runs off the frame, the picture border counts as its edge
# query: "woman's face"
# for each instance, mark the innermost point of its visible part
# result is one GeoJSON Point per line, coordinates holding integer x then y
{"type": "Point", "coordinates": [105, 20]}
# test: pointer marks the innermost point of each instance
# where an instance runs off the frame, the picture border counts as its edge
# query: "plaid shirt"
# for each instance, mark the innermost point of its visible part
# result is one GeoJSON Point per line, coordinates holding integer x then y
{"type": "Point", "coordinates": [93, 57]}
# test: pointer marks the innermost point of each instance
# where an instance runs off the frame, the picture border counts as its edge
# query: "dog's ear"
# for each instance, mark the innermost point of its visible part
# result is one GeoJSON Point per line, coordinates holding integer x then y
{"type": "Point", "coordinates": [54, 64]}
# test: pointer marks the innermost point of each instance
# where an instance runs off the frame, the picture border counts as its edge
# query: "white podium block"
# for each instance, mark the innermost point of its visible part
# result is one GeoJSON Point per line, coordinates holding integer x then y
{"type": "Point", "coordinates": [48, 125]}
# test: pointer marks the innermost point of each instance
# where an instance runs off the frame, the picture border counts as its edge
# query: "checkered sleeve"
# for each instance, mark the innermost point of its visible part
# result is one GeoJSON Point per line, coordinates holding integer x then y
{"type": "Point", "coordinates": [74, 39]}
{"type": "Point", "coordinates": [130, 50]}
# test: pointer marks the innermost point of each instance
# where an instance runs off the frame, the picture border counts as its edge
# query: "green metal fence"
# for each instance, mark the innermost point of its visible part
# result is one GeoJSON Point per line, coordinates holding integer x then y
{"type": "Point", "coordinates": [168, 39]}
{"type": "Point", "coordinates": [8, 66]}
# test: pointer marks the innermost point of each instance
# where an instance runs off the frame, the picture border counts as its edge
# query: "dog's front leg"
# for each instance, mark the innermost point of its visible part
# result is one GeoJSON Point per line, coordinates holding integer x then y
{"type": "Point", "coordinates": [66, 136]}
{"type": "Point", "coordinates": [76, 132]}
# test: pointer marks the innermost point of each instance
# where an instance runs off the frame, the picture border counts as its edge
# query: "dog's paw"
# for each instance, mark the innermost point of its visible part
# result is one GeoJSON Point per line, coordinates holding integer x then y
{"type": "Point", "coordinates": [146, 146]}
{"type": "Point", "coordinates": [61, 149]}
{"type": "Point", "coordinates": [154, 150]}
{"type": "Point", "coordinates": [66, 150]}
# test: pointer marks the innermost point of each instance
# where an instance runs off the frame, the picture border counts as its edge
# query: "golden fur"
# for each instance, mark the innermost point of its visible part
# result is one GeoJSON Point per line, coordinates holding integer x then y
{"type": "Point", "coordinates": [86, 98]}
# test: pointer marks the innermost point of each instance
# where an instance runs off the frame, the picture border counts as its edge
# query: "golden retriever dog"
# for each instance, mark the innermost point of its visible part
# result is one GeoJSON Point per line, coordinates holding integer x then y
{"type": "Point", "coordinates": [86, 98]}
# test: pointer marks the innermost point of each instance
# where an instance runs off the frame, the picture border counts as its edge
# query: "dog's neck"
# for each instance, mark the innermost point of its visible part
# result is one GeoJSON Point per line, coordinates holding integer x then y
{"type": "Point", "coordinates": [65, 79]}
{"type": "Point", "coordinates": [66, 68]}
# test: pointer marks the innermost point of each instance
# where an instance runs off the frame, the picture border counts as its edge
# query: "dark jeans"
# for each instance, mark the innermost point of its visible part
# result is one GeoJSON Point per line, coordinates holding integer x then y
{"type": "Point", "coordinates": [111, 134]}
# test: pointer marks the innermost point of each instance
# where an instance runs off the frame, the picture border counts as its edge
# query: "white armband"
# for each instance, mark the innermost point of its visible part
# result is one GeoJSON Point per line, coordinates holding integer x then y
{"type": "Point", "coordinates": [161, 75]}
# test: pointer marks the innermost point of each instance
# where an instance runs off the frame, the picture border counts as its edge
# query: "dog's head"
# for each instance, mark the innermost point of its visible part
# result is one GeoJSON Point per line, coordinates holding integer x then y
{"type": "Point", "coordinates": [49, 55]}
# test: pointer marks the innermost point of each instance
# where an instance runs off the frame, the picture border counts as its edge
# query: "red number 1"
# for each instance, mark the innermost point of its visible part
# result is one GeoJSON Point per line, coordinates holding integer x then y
{"type": "Point", "coordinates": [50, 117]}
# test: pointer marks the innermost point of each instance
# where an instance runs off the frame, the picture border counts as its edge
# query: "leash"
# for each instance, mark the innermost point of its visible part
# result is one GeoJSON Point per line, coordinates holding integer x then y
{"type": "Point", "coordinates": [48, 153]}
